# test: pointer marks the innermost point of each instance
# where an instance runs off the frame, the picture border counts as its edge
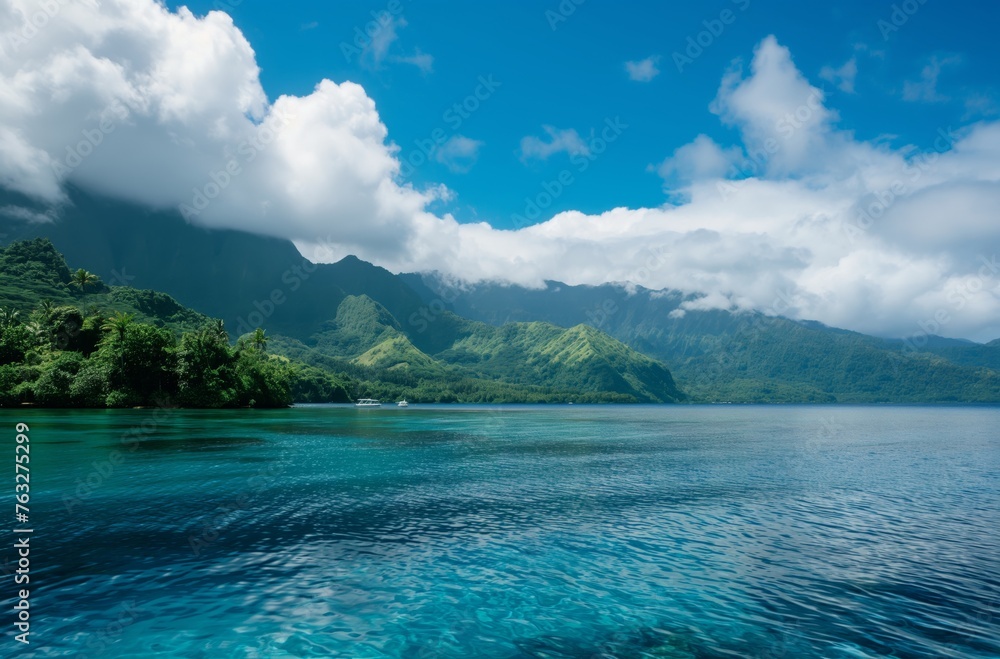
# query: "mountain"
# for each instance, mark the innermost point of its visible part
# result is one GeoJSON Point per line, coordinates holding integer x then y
{"type": "Point", "coordinates": [361, 343]}
{"type": "Point", "coordinates": [746, 357]}
{"type": "Point", "coordinates": [578, 363]}
{"type": "Point", "coordinates": [244, 279]}
{"type": "Point", "coordinates": [34, 271]}
{"type": "Point", "coordinates": [714, 355]}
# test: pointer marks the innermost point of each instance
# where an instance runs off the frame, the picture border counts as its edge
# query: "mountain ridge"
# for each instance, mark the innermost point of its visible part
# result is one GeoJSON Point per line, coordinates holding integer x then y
{"type": "Point", "coordinates": [715, 355]}
{"type": "Point", "coordinates": [363, 344]}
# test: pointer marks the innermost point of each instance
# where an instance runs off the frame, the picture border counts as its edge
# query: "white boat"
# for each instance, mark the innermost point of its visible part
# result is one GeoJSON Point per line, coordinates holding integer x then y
{"type": "Point", "coordinates": [402, 403]}
{"type": "Point", "coordinates": [367, 402]}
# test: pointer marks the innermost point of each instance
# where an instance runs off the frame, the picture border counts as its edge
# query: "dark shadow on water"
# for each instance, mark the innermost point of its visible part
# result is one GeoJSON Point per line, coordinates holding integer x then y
{"type": "Point", "coordinates": [191, 444]}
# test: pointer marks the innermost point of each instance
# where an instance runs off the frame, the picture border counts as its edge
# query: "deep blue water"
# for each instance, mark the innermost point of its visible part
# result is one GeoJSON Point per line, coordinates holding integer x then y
{"type": "Point", "coordinates": [727, 531]}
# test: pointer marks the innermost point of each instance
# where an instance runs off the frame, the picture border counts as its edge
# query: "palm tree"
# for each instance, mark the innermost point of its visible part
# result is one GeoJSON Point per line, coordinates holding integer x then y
{"type": "Point", "coordinates": [258, 340]}
{"type": "Point", "coordinates": [8, 317]}
{"type": "Point", "coordinates": [46, 308]}
{"type": "Point", "coordinates": [82, 278]}
{"type": "Point", "coordinates": [118, 324]}
{"type": "Point", "coordinates": [218, 328]}
{"type": "Point", "coordinates": [40, 333]}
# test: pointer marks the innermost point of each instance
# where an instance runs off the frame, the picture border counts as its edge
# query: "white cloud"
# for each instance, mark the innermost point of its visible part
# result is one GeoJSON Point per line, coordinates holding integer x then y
{"type": "Point", "coordinates": [567, 140]}
{"type": "Point", "coordinates": [419, 59]}
{"type": "Point", "coordinates": [842, 77]}
{"type": "Point", "coordinates": [386, 34]}
{"type": "Point", "coordinates": [925, 89]}
{"type": "Point", "coordinates": [311, 25]}
{"type": "Point", "coordinates": [816, 224]}
{"type": "Point", "coordinates": [643, 70]}
{"type": "Point", "coordinates": [377, 51]}
{"type": "Point", "coordinates": [459, 153]}
{"type": "Point", "coordinates": [28, 215]}
{"type": "Point", "coordinates": [700, 159]}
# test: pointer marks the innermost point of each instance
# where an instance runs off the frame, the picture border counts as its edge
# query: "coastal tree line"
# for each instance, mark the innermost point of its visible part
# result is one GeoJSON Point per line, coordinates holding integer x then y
{"type": "Point", "coordinates": [62, 356]}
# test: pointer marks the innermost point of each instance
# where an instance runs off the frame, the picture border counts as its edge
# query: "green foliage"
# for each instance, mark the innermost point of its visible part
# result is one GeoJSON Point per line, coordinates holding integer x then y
{"type": "Point", "coordinates": [15, 342]}
{"type": "Point", "coordinates": [64, 326]}
{"type": "Point", "coordinates": [719, 356]}
{"type": "Point", "coordinates": [132, 347]}
{"type": "Point", "coordinates": [35, 260]}
{"type": "Point", "coordinates": [313, 385]}
{"type": "Point", "coordinates": [263, 381]}
{"type": "Point", "coordinates": [91, 386]}
{"type": "Point", "coordinates": [54, 384]}
{"type": "Point", "coordinates": [141, 364]}
{"type": "Point", "coordinates": [206, 369]}
{"type": "Point", "coordinates": [84, 280]}
{"type": "Point", "coordinates": [156, 308]}
{"type": "Point", "coordinates": [258, 340]}
{"type": "Point", "coordinates": [10, 383]}
{"type": "Point", "coordinates": [119, 348]}
{"type": "Point", "coordinates": [476, 362]}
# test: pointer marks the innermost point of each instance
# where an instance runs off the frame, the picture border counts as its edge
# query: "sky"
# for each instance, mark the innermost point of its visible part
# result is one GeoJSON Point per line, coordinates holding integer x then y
{"type": "Point", "coordinates": [829, 161]}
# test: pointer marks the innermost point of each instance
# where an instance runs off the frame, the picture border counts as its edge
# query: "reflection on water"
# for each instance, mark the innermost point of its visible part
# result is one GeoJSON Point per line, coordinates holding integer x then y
{"type": "Point", "coordinates": [520, 532]}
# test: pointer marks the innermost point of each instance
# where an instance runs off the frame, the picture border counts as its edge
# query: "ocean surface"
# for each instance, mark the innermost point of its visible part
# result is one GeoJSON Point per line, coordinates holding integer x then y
{"type": "Point", "coordinates": [549, 531]}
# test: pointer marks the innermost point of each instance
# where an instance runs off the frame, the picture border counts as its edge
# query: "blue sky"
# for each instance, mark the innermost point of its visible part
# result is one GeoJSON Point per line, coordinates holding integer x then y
{"type": "Point", "coordinates": [574, 77]}
{"type": "Point", "coordinates": [837, 162]}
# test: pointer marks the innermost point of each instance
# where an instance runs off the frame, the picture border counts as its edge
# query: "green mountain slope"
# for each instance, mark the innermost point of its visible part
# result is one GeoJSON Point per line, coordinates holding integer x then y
{"type": "Point", "coordinates": [722, 356]}
{"type": "Point", "coordinates": [244, 279]}
{"type": "Point", "coordinates": [34, 271]}
{"type": "Point", "coordinates": [580, 357]}
{"type": "Point", "coordinates": [362, 347]}
{"type": "Point", "coordinates": [715, 355]}
{"type": "Point", "coordinates": [68, 340]}
{"type": "Point", "coordinates": [580, 362]}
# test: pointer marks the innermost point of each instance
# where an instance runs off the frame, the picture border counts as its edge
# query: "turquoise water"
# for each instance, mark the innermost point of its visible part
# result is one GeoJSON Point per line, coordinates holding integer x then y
{"type": "Point", "coordinates": [455, 531]}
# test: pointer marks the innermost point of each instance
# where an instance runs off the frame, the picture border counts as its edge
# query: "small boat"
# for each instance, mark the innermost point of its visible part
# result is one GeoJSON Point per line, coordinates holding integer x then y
{"type": "Point", "coordinates": [402, 403]}
{"type": "Point", "coordinates": [367, 402]}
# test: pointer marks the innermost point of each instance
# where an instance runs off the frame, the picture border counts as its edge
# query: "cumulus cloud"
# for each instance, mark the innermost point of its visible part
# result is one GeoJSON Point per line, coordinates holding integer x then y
{"type": "Point", "coordinates": [131, 100]}
{"type": "Point", "coordinates": [643, 70]}
{"type": "Point", "coordinates": [697, 160]}
{"type": "Point", "coordinates": [567, 140]}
